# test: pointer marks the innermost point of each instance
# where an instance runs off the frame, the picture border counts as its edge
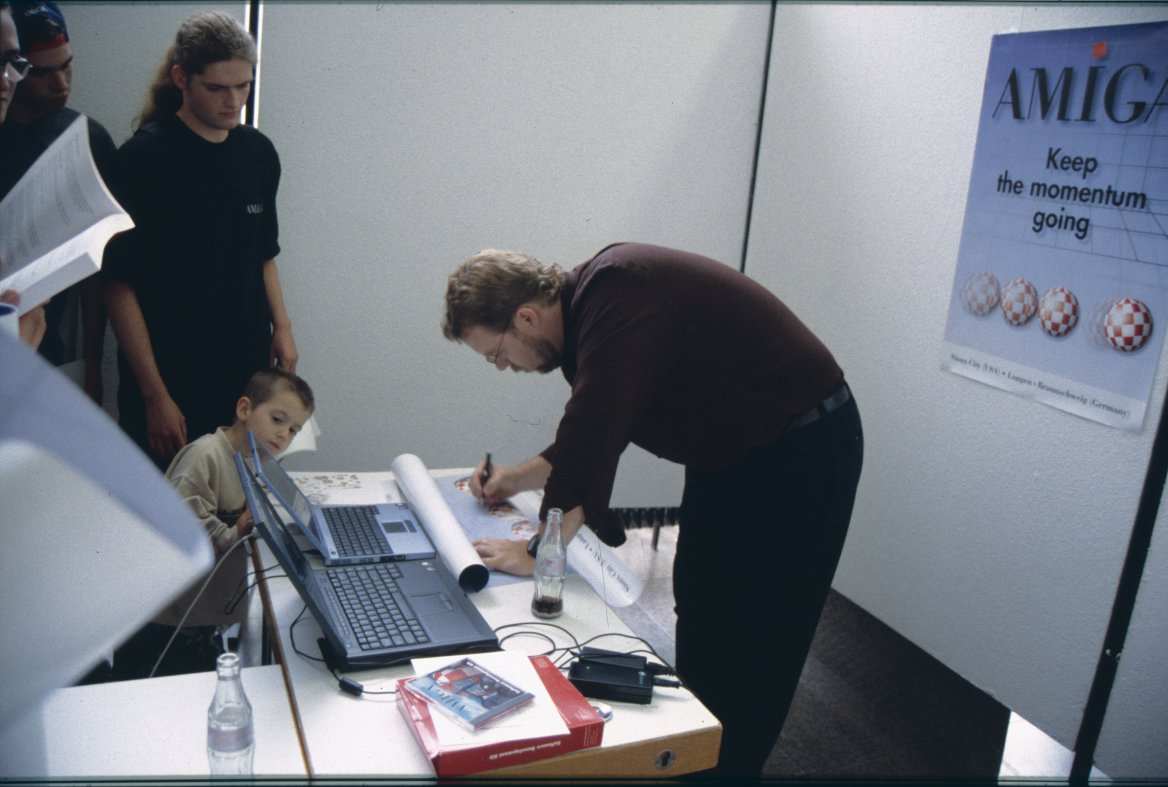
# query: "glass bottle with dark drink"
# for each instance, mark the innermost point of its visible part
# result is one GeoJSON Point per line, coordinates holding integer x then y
{"type": "Point", "coordinates": [551, 566]}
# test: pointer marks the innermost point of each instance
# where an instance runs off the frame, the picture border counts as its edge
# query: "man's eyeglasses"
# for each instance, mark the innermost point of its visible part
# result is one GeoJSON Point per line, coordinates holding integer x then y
{"type": "Point", "coordinates": [493, 359]}
{"type": "Point", "coordinates": [16, 68]}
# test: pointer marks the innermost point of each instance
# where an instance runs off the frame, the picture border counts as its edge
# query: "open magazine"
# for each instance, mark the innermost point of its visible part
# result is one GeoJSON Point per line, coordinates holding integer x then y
{"type": "Point", "coordinates": [56, 221]}
{"type": "Point", "coordinates": [453, 518]}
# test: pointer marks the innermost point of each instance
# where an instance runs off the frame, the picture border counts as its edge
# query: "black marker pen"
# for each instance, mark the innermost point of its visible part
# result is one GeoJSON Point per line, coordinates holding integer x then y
{"type": "Point", "coordinates": [486, 475]}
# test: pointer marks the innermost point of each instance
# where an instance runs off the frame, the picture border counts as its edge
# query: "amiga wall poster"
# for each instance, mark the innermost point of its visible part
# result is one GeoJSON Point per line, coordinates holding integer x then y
{"type": "Point", "coordinates": [1061, 287]}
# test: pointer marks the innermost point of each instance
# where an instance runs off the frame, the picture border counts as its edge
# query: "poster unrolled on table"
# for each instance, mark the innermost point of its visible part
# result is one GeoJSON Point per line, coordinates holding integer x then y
{"type": "Point", "coordinates": [454, 519]}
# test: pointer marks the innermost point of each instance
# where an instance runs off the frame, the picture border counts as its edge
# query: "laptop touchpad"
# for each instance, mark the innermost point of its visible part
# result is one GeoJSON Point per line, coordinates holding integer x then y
{"type": "Point", "coordinates": [431, 604]}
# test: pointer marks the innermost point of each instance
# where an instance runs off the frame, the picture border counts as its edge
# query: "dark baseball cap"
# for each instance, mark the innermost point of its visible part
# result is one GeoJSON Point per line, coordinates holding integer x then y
{"type": "Point", "coordinates": [40, 25]}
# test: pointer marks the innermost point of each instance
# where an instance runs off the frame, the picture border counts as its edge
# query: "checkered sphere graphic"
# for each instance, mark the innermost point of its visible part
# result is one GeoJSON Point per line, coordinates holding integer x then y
{"type": "Point", "coordinates": [1059, 311]}
{"type": "Point", "coordinates": [1019, 302]}
{"type": "Point", "coordinates": [1125, 324]}
{"type": "Point", "coordinates": [980, 293]}
{"type": "Point", "coordinates": [1128, 325]}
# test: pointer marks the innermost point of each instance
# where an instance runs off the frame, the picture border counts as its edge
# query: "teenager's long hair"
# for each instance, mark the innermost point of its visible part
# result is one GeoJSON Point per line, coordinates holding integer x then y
{"type": "Point", "coordinates": [202, 39]}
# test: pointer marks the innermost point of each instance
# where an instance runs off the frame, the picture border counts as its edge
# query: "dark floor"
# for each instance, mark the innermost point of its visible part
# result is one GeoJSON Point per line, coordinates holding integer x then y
{"type": "Point", "coordinates": [871, 704]}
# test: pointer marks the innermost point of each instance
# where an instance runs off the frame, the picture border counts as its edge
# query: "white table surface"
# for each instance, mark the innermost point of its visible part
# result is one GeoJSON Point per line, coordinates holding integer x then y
{"type": "Point", "coordinates": [349, 736]}
{"type": "Point", "coordinates": [157, 727]}
{"type": "Point", "coordinates": [146, 728]}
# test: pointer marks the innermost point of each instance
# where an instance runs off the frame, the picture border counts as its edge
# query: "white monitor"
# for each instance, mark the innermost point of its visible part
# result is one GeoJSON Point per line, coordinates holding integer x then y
{"type": "Point", "coordinates": [94, 541]}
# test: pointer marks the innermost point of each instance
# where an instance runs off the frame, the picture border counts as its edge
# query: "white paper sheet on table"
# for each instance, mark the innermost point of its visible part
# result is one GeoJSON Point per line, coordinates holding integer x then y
{"type": "Point", "coordinates": [518, 518]}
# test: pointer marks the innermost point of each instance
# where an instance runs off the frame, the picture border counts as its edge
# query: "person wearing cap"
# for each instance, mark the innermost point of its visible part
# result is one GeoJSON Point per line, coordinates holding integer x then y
{"type": "Point", "coordinates": [13, 68]}
{"type": "Point", "coordinates": [37, 116]}
{"type": "Point", "coordinates": [192, 290]}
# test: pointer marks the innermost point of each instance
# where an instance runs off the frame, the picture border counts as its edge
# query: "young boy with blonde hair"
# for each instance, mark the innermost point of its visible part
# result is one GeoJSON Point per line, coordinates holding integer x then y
{"type": "Point", "coordinates": [275, 405]}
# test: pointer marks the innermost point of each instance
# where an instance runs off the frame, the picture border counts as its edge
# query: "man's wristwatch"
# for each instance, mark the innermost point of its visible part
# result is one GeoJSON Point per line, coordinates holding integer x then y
{"type": "Point", "coordinates": [533, 544]}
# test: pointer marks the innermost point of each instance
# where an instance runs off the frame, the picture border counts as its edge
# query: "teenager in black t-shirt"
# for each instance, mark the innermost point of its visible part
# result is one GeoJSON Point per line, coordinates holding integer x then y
{"type": "Point", "coordinates": [192, 291]}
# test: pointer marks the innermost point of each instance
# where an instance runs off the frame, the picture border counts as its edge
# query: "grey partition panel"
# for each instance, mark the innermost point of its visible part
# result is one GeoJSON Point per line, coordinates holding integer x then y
{"type": "Point", "coordinates": [413, 135]}
{"type": "Point", "coordinates": [990, 530]}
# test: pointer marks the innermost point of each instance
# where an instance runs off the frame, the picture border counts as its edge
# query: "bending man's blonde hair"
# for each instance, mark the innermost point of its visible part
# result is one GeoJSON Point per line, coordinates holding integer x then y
{"type": "Point", "coordinates": [488, 288]}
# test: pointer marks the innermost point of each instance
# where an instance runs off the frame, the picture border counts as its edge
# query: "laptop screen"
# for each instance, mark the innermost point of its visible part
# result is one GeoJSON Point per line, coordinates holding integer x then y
{"type": "Point", "coordinates": [282, 485]}
{"type": "Point", "coordinates": [273, 530]}
{"type": "Point", "coordinates": [265, 518]}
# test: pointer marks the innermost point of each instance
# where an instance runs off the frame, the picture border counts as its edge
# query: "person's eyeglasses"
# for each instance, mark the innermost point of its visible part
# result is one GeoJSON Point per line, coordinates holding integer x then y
{"type": "Point", "coordinates": [493, 359]}
{"type": "Point", "coordinates": [16, 68]}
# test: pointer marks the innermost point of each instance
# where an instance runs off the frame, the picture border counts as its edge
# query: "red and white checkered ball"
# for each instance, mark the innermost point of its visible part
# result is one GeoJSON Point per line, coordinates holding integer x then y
{"type": "Point", "coordinates": [1019, 302]}
{"type": "Point", "coordinates": [1128, 324]}
{"type": "Point", "coordinates": [980, 293]}
{"type": "Point", "coordinates": [1059, 311]}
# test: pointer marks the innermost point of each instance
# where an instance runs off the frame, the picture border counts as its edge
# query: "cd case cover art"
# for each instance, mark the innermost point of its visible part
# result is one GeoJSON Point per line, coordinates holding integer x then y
{"type": "Point", "coordinates": [468, 693]}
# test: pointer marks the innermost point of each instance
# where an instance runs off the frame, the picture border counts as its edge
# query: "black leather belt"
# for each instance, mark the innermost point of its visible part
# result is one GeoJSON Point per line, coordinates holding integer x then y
{"type": "Point", "coordinates": [831, 403]}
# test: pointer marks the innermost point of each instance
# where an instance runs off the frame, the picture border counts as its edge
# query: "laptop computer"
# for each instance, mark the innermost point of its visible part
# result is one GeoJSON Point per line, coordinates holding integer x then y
{"type": "Point", "coordinates": [375, 614]}
{"type": "Point", "coordinates": [344, 534]}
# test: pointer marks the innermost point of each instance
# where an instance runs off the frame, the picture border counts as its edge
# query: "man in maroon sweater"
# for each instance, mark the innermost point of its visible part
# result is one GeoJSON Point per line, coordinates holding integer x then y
{"type": "Point", "coordinates": [700, 365]}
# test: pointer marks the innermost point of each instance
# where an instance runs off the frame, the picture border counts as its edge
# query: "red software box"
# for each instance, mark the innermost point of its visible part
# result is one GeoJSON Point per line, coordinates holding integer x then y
{"type": "Point", "coordinates": [585, 729]}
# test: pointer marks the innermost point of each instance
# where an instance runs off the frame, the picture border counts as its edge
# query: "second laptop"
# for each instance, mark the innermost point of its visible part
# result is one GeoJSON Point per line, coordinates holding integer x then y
{"type": "Point", "coordinates": [344, 534]}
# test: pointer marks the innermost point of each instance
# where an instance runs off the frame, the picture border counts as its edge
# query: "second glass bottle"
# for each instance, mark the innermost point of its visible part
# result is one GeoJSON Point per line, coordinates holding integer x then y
{"type": "Point", "coordinates": [551, 566]}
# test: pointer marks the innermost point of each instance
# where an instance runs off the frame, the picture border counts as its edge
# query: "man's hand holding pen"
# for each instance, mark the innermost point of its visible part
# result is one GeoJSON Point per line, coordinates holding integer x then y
{"type": "Point", "coordinates": [490, 483]}
{"type": "Point", "coordinates": [498, 554]}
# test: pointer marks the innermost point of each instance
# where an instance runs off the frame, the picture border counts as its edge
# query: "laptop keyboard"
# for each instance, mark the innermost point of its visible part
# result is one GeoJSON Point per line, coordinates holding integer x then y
{"type": "Point", "coordinates": [378, 613]}
{"type": "Point", "coordinates": [356, 532]}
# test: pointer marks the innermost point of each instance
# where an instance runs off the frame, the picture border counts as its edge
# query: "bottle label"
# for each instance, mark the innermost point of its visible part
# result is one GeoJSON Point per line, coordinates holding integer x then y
{"type": "Point", "coordinates": [230, 739]}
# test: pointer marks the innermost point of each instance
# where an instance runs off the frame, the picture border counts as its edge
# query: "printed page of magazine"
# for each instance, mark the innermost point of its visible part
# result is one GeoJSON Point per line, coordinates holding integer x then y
{"type": "Point", "coordinates": [56, 221]}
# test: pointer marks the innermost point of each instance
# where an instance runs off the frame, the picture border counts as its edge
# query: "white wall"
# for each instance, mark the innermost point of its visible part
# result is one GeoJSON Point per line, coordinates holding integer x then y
{"type": "Point", "coordinates": [989, 530]}
{"type": "Point", "coordinates": [414, 135]}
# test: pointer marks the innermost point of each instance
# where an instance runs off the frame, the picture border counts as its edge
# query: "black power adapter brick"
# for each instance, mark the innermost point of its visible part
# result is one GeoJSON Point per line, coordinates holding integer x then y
{"type": "Point", "coordinates": [604, 681]}
{"type": "Point", "coordinates": [612, 657]}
